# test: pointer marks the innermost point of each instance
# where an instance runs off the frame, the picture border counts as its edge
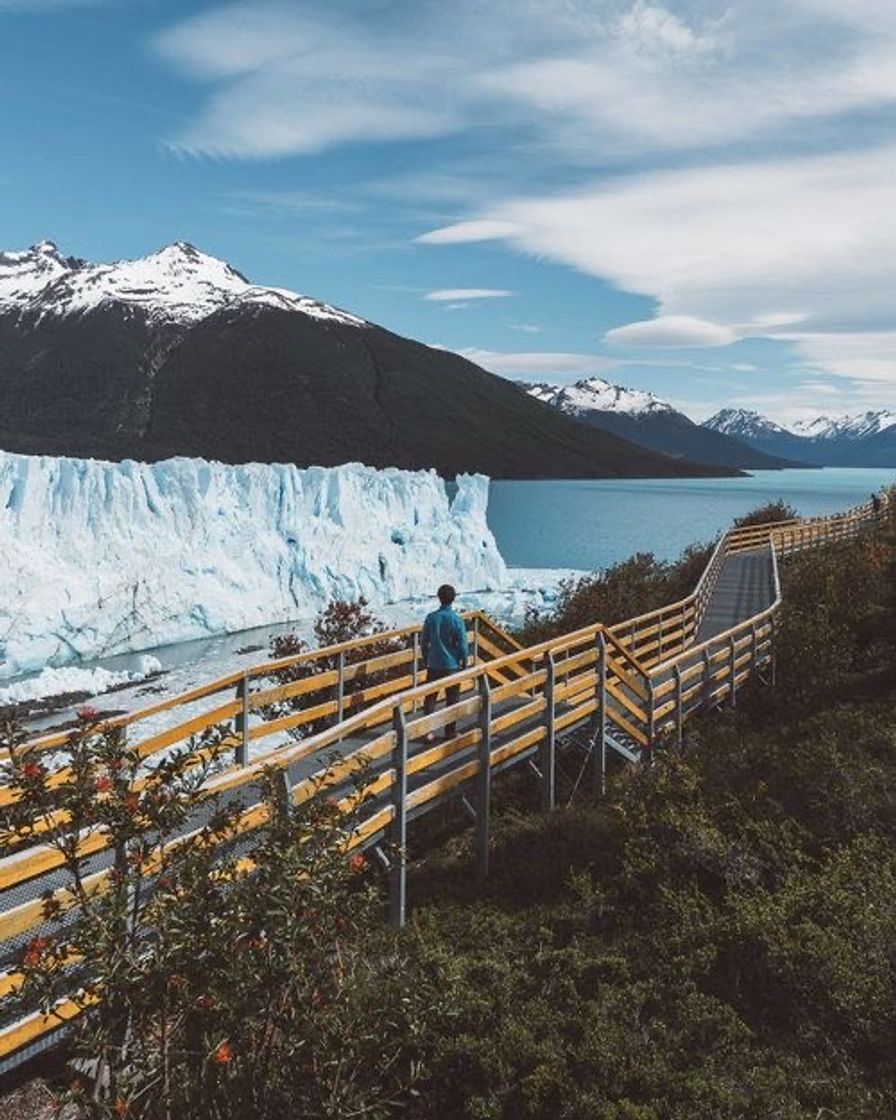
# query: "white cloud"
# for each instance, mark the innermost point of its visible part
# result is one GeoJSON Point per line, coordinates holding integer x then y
{"type": "Point", "coordinates": [453, 295]}
{"type": "Point", "coordinates": [585, 76]}
{"type": "Point", "coordinates": [672, 331]}
{"type": "Point", "coordinates": [739, 245]}
{"type": "Point", "coordinates": [516, 364]}
{"type": "Point", "coordinates": [461, 233]}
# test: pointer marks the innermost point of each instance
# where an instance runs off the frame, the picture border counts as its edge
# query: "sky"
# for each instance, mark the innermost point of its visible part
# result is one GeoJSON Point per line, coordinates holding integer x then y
{"type": "Point", "coordinates": [694, 198]}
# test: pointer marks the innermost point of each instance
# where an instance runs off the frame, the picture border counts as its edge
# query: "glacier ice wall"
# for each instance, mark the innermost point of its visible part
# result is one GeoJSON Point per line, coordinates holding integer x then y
{"type": "Point", "coordinates": [100, 558]}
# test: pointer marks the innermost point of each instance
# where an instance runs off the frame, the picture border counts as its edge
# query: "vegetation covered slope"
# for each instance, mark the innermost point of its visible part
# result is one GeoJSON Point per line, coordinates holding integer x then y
{"type": "Point", "coordinates": [714, 940]}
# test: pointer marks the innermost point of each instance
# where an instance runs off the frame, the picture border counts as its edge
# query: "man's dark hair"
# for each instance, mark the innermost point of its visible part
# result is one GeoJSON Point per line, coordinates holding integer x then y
{"type": "Point", "coordinates": [446, 594]}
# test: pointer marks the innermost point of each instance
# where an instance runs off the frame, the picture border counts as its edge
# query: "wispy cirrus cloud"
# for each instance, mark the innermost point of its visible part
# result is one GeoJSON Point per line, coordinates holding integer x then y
{"type": "Point", "coordinates": [796, 249]}
{"type": "Point", "coordinates": [285, 76]}
{"type": "Point", "coordinates": [457, 295]}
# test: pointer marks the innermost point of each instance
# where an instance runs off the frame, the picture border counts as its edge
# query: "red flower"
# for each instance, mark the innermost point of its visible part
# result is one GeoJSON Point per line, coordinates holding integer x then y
{"type": "Point", "coordinates": [132, 802]}
{"type": "Point", "coordinates": [32, 770]}
{"type": "Point", "coordinates": [86, 713]}
{"type": "Point", "coordinates": [358, 862]}
{"type": "Point", "coordinates": [103, 784]}
{"type": "Point", "coordinates": [37, 946]}
{"type": "Point", "coordinates": [224, 1053]}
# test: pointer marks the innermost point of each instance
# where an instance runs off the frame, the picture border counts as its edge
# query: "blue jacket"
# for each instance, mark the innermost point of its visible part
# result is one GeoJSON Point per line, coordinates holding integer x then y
{"type": "Point", "coordinates": [444, 642]}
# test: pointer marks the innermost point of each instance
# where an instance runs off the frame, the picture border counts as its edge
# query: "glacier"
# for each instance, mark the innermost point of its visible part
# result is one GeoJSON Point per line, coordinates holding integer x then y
{"type": "Point", "coordinates": [100, 558]}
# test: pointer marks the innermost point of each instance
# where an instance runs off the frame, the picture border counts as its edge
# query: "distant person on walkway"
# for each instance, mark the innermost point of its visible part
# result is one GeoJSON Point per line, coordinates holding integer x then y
{"type": "Point", "coordinates": [875, 503]}
{"type": "Point", "coordinates": [444, 648]}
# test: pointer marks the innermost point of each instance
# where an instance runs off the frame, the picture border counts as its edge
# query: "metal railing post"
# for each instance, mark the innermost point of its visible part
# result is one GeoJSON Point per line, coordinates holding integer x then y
{"type": "Point", "coordinates": [548, 745]}
{"type": "Point", "coordinates": [415, 669]}
{"type": "Point", "coordinates": [476, 639]}
{"type": "Point", "coordinates": [241, 723]}
{"type": "Point", "coordinates": [679, 711]}
{"type": "Point", "coordinates": [484, 777]}
{"type": "Point", "coordinates": [398, 887]}
{"type": "Point", "coordinates": [707, 679]}
{"type": "Point", "coordinates": [732, 654]}
{"type": "Point", "coordinates": [600, 736]}
{"type": "Point", "coordinates": [340, 686]}
{"type": "Point", "coordinates": [651, 719]}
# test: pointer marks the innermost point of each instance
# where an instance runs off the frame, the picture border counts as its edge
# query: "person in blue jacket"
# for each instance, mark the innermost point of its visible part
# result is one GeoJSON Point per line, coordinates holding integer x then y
{"type": "Point", "coordinates": [444, 648]}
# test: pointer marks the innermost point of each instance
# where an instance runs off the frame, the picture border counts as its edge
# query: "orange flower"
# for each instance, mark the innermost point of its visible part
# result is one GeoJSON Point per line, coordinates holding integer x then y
{"type": "Point", "coordinates": [224, 1053]}
{"type": "Point", "coordinates": [132, 802]}
{"type": "Point", "coordinates": [122, 1108]}
{"type": "Point", "coordinates": [358, 862]}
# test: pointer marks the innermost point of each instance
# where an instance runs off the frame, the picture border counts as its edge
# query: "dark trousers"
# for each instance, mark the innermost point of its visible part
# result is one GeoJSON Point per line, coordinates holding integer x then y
{"type": "Point", "coordinates": [452, 693]}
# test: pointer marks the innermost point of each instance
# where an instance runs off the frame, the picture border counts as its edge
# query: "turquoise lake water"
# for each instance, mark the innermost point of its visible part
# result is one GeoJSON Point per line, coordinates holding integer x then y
{"type": "Point", "coordinates": [590, 524]}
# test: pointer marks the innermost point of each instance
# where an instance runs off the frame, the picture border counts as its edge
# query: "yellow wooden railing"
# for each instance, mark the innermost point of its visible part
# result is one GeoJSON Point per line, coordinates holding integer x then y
{"type": "Point", "coordinates": [626, 685]}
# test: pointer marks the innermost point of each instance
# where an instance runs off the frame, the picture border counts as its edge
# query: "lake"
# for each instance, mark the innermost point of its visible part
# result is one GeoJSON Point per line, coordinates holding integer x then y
{"type": "Point", "coordinates": [590, 524]}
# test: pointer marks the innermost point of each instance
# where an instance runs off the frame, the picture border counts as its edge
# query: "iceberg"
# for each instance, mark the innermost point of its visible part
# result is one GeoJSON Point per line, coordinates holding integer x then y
{"type": "Point", "coordinates": [100, 558]}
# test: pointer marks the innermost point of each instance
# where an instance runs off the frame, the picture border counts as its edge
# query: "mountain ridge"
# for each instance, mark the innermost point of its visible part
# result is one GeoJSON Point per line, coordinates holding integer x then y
{"type": "Point", "coordinates": [178, 353]}
{"type": "Point", "coordinates": [640, 416]}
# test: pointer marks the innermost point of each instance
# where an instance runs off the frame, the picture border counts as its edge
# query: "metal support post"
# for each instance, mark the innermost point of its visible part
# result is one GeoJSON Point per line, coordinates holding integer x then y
{"type": "Point", "coordinates": [340, 686]}
{"type": "Point", "coordinates": [475, 640]}
{"type": "Point", "coordinates": [398, 887]}
{"type": "Point", "coordinates": [732, 655]}
{"type": "Point", "coordinates": [647, 754]}
{"type": "Point", "coordinates": [241, 723]}
{"type": "Point", "coordinates": [548, 744]}
{"type": "Point", "coordinates": [679, 708]}
{"type": "Point", "coordinates": [415, 669]}
{"type": "Point", "coordinates": [484, 777]}
{"type": "Point", "coordinates": [600, 735]}
{"type": "Point", "coordinates": [707, 679]}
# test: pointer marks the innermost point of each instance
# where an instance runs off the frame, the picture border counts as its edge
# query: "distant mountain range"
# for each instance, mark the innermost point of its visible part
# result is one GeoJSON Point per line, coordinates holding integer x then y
{"type": "Point", "coordinates": [645, 419]}
{"type": "Point", "coordinates": [864, 440]}
{"type": "Point", "coordinates": [178, 353]}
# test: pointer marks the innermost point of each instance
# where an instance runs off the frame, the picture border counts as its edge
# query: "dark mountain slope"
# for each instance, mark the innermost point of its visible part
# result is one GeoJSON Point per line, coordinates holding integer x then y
{"type": "Point", "coordinates": [259, 383]}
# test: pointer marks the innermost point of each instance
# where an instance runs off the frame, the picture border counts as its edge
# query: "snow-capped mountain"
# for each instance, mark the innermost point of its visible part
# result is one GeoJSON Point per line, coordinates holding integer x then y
{"type": "Point", "coordinates": [178, 353]}
{"type": "Point", "coordinates": [742, 423]}
{"type": "Point", "coordinates": [640, 416]}
{"type": "Point", "coordinates": [177, 284]}
{"type": "Point", "coordinates": [861, 426]}
{"type": "Point", "coordinates": [594, 394]}
{"type": "Point", "coordinates": [866, 439]}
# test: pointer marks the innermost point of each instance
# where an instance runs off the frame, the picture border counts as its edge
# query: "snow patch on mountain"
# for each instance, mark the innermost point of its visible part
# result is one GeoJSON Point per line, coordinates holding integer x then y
{"type": "Point", "coordinates": [101, 558]}
{"type": "Point", "coordinates": [177, 284]}
{"type": "Point", "coordinates": [594, 394]}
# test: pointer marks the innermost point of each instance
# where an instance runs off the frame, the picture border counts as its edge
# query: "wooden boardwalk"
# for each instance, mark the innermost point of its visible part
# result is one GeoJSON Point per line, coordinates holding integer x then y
{"type": "Point", "coordinates": [624, 689]}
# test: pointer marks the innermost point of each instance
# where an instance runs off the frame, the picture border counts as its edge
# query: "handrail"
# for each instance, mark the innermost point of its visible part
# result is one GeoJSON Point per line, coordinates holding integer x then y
{"type": "Point", "coordinates": [595, 673]}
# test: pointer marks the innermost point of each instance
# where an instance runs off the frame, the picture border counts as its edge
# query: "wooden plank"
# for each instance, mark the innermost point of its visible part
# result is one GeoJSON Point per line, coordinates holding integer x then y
{"type": "Point", "coordinates": [441, 751]}
{"type": "Point", "coordinates": [443, 784]}
{"type": "Point", "coordinates": [516, 746]}
{"type": "Point", "coordinates": [625, 676]}
{"type": "Point", "coordinates": [620, 697]}
{"type": "Point", "coordinates": [511, 719]}
{"type": "Point", "coordinates": [519, 687]}
{"type": "Point", "coordinates": [35, 1026]}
